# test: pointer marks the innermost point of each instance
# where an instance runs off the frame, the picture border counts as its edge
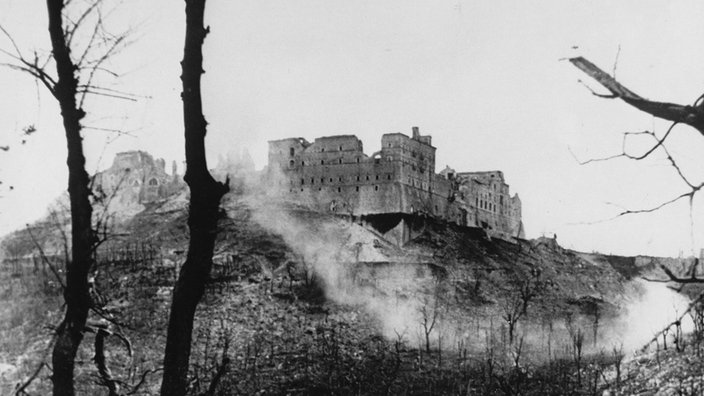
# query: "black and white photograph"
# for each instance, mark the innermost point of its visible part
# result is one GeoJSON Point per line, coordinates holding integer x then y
{"type": "Point", "coordinates": [326, 197]}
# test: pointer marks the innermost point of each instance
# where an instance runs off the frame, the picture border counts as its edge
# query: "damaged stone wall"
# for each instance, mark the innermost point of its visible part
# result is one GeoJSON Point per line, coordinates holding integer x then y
{"type": "Point", "coordinates": [334, 174]}
{"type": "Point", "coordinates": [136, 178]}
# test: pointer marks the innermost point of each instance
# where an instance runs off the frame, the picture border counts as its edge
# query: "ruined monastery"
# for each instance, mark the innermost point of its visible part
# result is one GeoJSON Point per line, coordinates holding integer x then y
{"type": "Point", "coordinates": [396, 183]}
{"type": "Point", "coordinates": [136, 177]}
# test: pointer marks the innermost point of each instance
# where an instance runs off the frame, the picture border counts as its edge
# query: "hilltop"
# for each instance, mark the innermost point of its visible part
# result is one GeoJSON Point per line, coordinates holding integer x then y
{"type": "Point", "coordinates": [303, 302]}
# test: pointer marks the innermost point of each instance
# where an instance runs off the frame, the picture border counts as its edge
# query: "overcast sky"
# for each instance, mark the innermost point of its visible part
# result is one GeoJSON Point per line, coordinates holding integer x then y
{"type": "Point", "coordinates": [483, 78]}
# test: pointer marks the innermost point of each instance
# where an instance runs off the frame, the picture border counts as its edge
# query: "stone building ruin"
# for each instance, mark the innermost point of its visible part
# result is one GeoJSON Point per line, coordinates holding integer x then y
{"type": "Point", "coordinates": [136, 177]}
{"type": "Point", "coordinates": [334, 174]}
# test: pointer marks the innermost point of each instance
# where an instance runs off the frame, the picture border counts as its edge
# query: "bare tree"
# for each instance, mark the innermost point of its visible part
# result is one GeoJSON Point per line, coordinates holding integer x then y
{"type": "Point", "coordinates": [679, 114]}
{"type": "Point", "coordinates": [206, 194]}
{"type": "Point", "coordinates": [512, 307]}
{"type": "Point", "coordinates": [430, 312]}
{"type": "Point", "coordinates": [77, 65]}
{"type": "Point", "coordinates": [692, 116]}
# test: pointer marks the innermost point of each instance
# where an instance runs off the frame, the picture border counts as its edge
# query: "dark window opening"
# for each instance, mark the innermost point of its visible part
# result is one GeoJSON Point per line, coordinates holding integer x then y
{"type": "Point", "coordinates": [377, 160]}
{"type": "Point", "coordinates": [303, 181]}
{"type": "Point", "coordinates": [376, 188]}
{"type": "Point", "coordinates": [153, 182]}
{"type": "Point", "coordinates": [322, 150]}
{"type": "Point", "coordinates": [367, 177]}
{"type": "Point", "coordinates": [388, 177]}
{"type": "Point", "coordinates": [340, 147]}
{"type": "Point", "coordinates": [303, 163]}
{"type": "Point", "coordinates": [322, 180]}
{"type": "Point", "coordinates": [357, 177]}
{"type": "Point", "coordinates": [357, 159]}
{"type": "Point", "coordinates": [312, 180]}
{"type": "Point", "coordinates": [339, 189]}
{"type": "Point", "coordinates": [291, 151]}
{"type": "Point", "coordinates": [340, 160]}
{"type": "Point", "coordinates": [322, 162]}
{"type": "Point", "coordinates": [356, 188]}
{"type": "Point", "coordinates": [339, 179]}
{"type": "Point", "coordinates": [377, 177]}
{"type": "Point", "coordinates": [291, 163]}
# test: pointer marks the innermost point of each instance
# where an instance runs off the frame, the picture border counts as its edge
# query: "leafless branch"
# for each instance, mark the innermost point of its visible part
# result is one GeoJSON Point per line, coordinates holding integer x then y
{"type": "Point", "coordinates": [690, 115]}
{"type": "Point", "coordinates": [101, 364]}
{"type": "Point", "coordinates": [20, 389]}
{"type": "Point", "coordinates": [659, 142]}
{"type": "Point", "coordinates": [675, 322]}
{"type": "Point", "coordinates": [589, 161]}
{"type": "Point", "coordinates": [142, 380]}
{"type": "Point", "coordinates": [71, 32]}
{"type": "Point", "coordinates": [45, 259]}
{"type": "Point", "coordinates": [12, 41]}
{"type": "Point", "coordinates": [660, 206]}
{"type": "Point", "coordinates": [605, 96]}
{"type": "Point", "coordinates": [618, 52]}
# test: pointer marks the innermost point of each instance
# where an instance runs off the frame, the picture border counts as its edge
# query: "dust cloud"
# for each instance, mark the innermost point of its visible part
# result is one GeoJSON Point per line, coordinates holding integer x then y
{"type": "Point", "coordinates": [403, 297]}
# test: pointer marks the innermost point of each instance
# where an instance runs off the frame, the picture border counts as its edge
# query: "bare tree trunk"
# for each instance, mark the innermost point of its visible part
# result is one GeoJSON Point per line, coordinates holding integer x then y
{"type": "Point", "coordinates": [70, 332]}
{"type": "Point", "coordinates": [206, 194]}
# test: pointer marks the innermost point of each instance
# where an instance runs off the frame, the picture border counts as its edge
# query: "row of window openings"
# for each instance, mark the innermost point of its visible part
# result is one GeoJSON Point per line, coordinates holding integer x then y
{"type": "Point", "coordinates": [493, 198]}
{"type": "Point", "coordinates": [405, 148]}
{"type": "Point", "coordinates": [416, 183]}
{"type": "Point", "coordinates": [339, 179]}
{"type": "Point", "coordinates": [421, 169]}
{"type": "Point", "coordinates": [412, 182]}
{"type": "Point", "coordinates": [339, 189]}
{"type": "Point", "coordinates": [292, 151]}
{"type": "Point", "coordinates": [482, 204]}
{"type": "Point", "coordinates": [292, 163]}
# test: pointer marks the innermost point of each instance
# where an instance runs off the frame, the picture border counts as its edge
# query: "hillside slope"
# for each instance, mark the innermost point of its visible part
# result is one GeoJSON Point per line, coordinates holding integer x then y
{"type": "Point", "coordinates": [302, 302]}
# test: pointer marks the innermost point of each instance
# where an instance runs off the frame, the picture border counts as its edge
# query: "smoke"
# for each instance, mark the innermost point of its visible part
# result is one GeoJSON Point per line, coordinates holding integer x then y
{"type": "Point", "coordinates": [356, 268]}
{"type": "Point", "coordinates": [648, 309]}
{"type": "Point", "coordinates": [334, 248]}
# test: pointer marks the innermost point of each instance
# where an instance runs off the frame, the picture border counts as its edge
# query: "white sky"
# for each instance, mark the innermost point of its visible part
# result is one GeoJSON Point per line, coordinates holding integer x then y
{"type": "Point", "coordinates": [483, 78]}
